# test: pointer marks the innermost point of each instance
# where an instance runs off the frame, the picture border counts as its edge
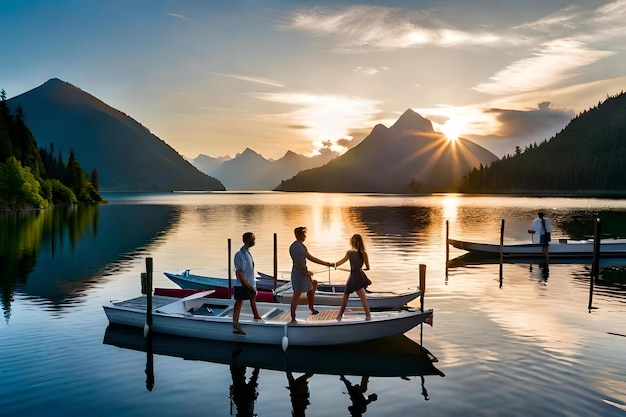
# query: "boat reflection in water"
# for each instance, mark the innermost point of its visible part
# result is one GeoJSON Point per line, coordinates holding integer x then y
{"type": "Point", "coordinates": [610, 278]}
{"type": "Point", "coordinates": [396, 356]}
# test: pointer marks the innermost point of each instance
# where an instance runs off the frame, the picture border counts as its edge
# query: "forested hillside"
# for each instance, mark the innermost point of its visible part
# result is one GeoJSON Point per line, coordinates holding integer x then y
{"type": "Point", "coordinates": [588, 156]}
{"type": "Point", "coordinates": [35, 178]}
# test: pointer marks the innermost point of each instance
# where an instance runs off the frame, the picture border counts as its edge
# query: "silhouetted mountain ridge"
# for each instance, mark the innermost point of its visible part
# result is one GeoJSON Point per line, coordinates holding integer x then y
{"type": "Point", "coordinates": [408, 157]}
{"type": "Point", "coordinates": [127, 155]}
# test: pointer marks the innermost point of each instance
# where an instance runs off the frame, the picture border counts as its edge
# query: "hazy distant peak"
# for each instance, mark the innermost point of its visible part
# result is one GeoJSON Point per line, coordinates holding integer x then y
{"type": "Point", "coordinates": [247, 152]}
{"type": "Point", "coordinates": [202, 156]}
{"type": "Point", "coordinates": [411, 120]}
{"type": "Point", "coordinates": [290, 156]}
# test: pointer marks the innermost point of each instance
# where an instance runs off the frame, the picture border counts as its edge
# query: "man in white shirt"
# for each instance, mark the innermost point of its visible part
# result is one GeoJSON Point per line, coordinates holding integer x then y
{"type": "Point", "coordinates": [245, 285]}
{"type": "Point", "coordinates": [541, 230]}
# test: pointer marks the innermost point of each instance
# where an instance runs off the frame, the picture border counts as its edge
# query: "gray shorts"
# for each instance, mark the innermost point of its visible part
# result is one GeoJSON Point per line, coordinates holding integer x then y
{"type": "Point", "coordinates": [300, 282]}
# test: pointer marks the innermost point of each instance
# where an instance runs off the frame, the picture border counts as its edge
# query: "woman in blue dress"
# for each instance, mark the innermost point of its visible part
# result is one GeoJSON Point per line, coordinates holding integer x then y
{"type": "Point", "coordinates": [357, 280]}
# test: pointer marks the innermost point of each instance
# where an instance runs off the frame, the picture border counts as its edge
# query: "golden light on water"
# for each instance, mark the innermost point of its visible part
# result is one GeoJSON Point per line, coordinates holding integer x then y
{"type": "Point", "coordinates": [450, 205]}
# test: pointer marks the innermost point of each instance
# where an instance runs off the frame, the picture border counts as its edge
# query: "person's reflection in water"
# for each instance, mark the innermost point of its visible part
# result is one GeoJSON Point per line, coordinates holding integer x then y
{"type": "Point", "coordinates": [357, 395]}
{"type": "Point", "coordinates": [544, 272]}
{"type": "Point", "coordinates": [544, 269]}
{"type": "Point", "coordinates": [299, 393]}
{"type": "Point", "coordinates": [243, 393]}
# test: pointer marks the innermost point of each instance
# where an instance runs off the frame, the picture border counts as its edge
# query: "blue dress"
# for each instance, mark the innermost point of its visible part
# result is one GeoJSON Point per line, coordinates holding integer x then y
{"type": "Point", "coordinates": [357, 278]}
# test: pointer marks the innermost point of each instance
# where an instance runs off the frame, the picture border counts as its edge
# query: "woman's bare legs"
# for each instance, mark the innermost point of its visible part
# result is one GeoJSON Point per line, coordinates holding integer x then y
{"type": "Point", "coordinates": [344, 303]}
{"type": "Point", "coordinates": [294, 304]}
{"type": "Point", "coordinates": [361, 293]}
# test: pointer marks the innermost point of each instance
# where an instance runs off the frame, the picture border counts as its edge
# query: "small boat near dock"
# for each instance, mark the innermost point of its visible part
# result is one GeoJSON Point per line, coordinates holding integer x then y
{"type": "Point", "coordinates": [375, 300]}
{"type": "Point", "coordinates": [565, 248]}
{"type": "Point", "coordinates": [206, 318]}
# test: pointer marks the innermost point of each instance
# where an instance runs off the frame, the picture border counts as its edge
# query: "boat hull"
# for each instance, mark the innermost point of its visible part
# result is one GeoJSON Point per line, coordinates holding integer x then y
{"type": "Point", "coordinates": [375, 301]}
{"type": "Point", "coordinates": [201, 282]}
{"type": "Point", "coordinates": [172, 316]}
{"type": "Point", "coordinates": [560, 248]}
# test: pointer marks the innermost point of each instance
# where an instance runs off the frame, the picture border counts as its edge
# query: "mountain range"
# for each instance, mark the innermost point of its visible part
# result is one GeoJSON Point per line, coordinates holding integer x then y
{"type": "Point", "coordinates": [408, 157]}
{"type": "Point", "coordinates": [127, 156]}
{"type": "Point", "coordinates": [251, 171]}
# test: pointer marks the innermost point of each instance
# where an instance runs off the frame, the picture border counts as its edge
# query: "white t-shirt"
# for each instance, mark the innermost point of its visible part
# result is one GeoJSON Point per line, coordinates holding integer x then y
{"type": "Point", "coordinates": [537, 226]}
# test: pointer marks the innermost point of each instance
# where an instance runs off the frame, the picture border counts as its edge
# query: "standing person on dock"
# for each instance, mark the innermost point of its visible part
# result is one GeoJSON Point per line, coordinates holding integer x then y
{"type": "Point", "coordinates": [541, 230]}
{"type": "Point", "coordinates": [357, 280]}
{"type": "Point", "coordinates": [245, 285]}
{"type": "Point", "coordinates": [301, 277]}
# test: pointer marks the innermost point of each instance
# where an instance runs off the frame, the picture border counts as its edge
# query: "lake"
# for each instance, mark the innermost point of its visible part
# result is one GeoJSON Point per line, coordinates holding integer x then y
{"type": "Point", "coordinates": [521, 342]}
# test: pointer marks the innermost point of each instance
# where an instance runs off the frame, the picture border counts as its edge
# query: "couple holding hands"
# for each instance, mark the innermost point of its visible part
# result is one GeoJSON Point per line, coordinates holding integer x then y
{"type": "Point", "coordinates": [301, 281]}
{"type": "Point", "coordinates": [301, 277]}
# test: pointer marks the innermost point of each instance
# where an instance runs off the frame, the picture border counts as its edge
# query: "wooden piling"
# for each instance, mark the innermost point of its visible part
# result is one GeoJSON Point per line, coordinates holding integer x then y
{"type": "Point", "coordinates": [595, 264]}
{"type": "Point", "coordinates": [422, 285]}
{"type": "Point", "coordinates": [275, 260]}
{"type": "Point", "coordinates": [501, 249]}
{"type": "Point", "coordinates": [447, 245]}
{"type": "Point", "coordinates": [148, 296]}
{"type": "Point", "coordinates": [230, 271]}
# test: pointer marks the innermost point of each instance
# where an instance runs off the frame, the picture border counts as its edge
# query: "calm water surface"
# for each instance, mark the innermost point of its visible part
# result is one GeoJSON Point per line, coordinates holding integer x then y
{"type": "Point", "coordinates": [521, 344]}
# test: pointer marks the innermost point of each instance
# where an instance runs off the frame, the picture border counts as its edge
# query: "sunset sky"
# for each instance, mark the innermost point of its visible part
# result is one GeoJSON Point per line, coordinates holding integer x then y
{"type": "Point", "coordinates": [214, 77]}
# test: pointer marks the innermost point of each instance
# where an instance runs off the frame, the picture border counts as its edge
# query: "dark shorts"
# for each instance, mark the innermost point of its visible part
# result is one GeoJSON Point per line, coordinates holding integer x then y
{"type": "Point", "coordinates": [241, 293]}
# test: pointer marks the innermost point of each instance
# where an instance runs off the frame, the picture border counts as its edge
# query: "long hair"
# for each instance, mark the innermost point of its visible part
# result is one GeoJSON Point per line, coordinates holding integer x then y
{"type": "Point", "coordinates": [357, 243]}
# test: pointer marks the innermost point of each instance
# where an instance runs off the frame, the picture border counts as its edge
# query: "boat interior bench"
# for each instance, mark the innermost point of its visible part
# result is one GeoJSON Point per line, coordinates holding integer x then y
{"type": "Point", "coordinates": [273, 313]}
{"type": "Point", "coordinates": [209, 309]}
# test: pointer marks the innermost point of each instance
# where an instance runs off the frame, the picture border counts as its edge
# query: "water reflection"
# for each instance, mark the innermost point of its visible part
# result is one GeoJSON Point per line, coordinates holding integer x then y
{"type": "Point", "coordinates": [611, 273]}
{"type": "Point", "coordinates": [357, 393]}
{"type": "Point", "coordinates": [299, 393]}
{"type": "Point", "coordinates": [244, 393]}
{"type": "Point", "coordinates": [55, 254]}
{"type": "Point", "coordinates": [396, 356]}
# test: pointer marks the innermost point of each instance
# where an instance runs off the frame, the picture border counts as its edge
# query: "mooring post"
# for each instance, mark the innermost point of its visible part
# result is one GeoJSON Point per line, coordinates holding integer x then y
{"type": "Point", "coordinates": [422, 285]}
{"type": "Point", "coordinates": [275, 260]}
{"type": "Point", "coordinates": [146, 329]}
{"type": "Point", "coordinates": [230, 277]}
{"type": "Point", "coordinates": [595, 265]}
{"type": "Point", "coordinates": [447, 245]}
{"type": "Point", "coordinates": [501, 248]}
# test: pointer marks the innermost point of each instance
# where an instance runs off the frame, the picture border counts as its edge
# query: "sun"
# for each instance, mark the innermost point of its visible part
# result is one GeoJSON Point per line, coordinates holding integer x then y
{"type": "Point", "coordinates": [451, 129]}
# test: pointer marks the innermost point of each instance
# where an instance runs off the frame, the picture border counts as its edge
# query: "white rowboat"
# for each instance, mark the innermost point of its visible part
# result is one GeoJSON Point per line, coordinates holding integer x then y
{"type": "Point", "coordinates": [375, 300]}
{"type": "Point", "coordinates": [558, 248]}
{"type": "Point", "coordinates": [206, 318]}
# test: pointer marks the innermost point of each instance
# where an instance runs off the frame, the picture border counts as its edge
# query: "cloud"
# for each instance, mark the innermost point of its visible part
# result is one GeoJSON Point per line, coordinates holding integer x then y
{"type": "Point", "coordinates": [567, 17]}
{"type": "Point", "coordinates": [552, 63]}
{"type": "Point", "coordinates": [370, 70]}
{"type": "Point", "coordinates": [521, 127]}
{"type": "Point", "coordinates": [519, 124]}
{"type": "Point", "coordinates": [359, 27]}
{"type": "Point", "coordinates": [255, 80]}
{"type": "Point", "coordinates": [178, 16]}
{"type": "Point", "coordinates": [324, 118]}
